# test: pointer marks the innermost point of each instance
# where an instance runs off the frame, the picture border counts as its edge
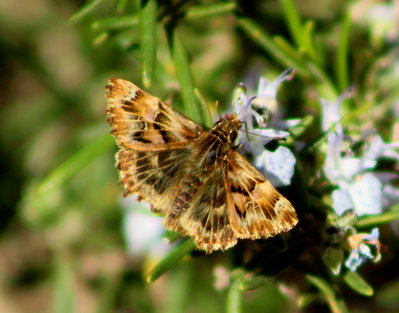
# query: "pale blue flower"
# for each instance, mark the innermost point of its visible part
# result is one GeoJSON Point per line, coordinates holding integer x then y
{"type": "Point", "coordinates": [358, 187]}
{"type": "Point", "coordinates": [379, 149]}
{"type": "Point", "coordinates": [360, 249]}
{"type": "Point", "coordinates": [363, 194]}
{"type": "Point", "coordinates": [267, 90]}
{"type": "Point", "coordinates": [242, 106]}
{"type": "Point", "coordinates": [142, 230]}
{"type": "Point", "coordinates": [379, 18]}
{"type": "Point", "coordinates": [278, 166]}
{"type": "Point", "coordinates": [331, 111]}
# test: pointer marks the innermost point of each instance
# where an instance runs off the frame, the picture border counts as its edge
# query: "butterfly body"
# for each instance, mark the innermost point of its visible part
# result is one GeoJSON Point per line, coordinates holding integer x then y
{"type": "Point", "coordinates": [195, 177]}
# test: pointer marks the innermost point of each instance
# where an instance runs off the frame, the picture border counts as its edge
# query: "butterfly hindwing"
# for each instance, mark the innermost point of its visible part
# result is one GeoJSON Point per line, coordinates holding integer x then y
{"type": "Point", "coordinates": [200, 211]}
{"type": "Point", "coordinates": [256, 208]}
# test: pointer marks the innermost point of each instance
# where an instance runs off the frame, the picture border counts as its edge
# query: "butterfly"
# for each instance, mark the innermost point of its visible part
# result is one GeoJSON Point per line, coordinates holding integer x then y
{"type": "Point", "coordinates": [196, 178]}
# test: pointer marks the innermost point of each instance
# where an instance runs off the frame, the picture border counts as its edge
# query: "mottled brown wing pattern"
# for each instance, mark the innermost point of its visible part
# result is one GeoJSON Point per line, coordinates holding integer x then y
{"type": "Point", "coordinates": [200, 210]}
{"type": "Point", "coordinates": [153, 175]}
{"type": "Point", "coordinates": [155, 142]}
{"type": "Point", "coordinates": [141, 121]}
{"type": "Point", "coordinates": [256, 208]}
{"type": "Point", "coordinates": [205, 189]}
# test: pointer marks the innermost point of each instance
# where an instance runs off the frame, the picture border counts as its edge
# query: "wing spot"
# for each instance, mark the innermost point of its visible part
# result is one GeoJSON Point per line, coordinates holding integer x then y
{"type": "Point", "coordinates": [137, 95]}
{"type": "Point", "coordinates": [242, 215]}
{"type": "Point", "coordinates": [269, 205]}
{"type": "Point", "coordinates": [240, 190]}
{"type": "Point", "coordinates": [245, 188]}
{"type": "Point", "coordinates": [160, 119]}
{"type": "Point", "coordinates": [138, 136]}
{"type": "Point", "coordinates": [128, 107]}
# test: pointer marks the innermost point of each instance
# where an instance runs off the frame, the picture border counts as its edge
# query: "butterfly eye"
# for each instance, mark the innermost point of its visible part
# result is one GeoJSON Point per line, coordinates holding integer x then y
{"type": "Point", "coordinates": [232, 135]}
{"type": "Point", "coordinates": [217, 122]}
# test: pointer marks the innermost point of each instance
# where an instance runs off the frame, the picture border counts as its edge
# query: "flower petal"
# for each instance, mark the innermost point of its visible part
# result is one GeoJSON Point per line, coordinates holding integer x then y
{"type": "Point", "coordinates": [366, 194]}
{"type": "Point", "coordinates": [278, 166]}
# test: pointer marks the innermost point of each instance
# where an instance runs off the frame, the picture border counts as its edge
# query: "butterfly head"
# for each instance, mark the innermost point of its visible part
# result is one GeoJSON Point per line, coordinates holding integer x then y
{"type": "Point", "coordinates": [228, 125]}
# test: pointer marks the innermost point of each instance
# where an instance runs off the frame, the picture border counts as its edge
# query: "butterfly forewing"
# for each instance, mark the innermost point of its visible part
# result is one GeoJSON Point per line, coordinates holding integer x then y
{"type": "Point", "coordinates": [143, 122]}
{"type": "Point", "coordinates": [194, 177]}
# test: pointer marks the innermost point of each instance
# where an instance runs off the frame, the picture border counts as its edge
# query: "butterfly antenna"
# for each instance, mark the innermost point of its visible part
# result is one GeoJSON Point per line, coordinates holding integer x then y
{"type": "Point", "coordinates": [255, 134]}
{"type": "Point", "coordinates": [217, 109]}
{"type": "Point", "coordinates": [246, 129]}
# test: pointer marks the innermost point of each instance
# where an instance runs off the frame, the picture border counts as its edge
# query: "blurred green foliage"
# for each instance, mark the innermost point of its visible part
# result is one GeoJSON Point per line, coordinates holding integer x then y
{"type": "Point", "coordinates": [62, 247]}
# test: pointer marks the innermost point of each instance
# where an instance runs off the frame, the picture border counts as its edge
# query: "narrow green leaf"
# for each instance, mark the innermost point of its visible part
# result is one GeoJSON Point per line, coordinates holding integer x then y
{"type": "Point", "coordinates": [84, 10]}
{"type": "Point", "coordinates": [121, 5]}
{"type": "Point", "coordinates": [294, 22]}
{"type": "Point", "coordinates": [291, 54]}
{"type": "Point", "coordinates": [204, 108]}
{"type": "Point", "coordinates": [116, 22]}
{"type": "Point", "coordinates": [342, 53]}
{"type": "Point", "coordinates": [63, 296]}
{"type": "Point", "coordinates": [40, 202]}
{"type": "Point", "coordinates": [322, 285]}
{"type": "Point", "coordinates": [324, 84]}
{"type": "Point", "coordinates": [358, 284]}
{"type": "Point", "coordinates": [171, 236]}
{"type": "Point", "coordinates": [378, 219]}
{"type": "Point", "coordinates": [210, 10]}
{"type": "Point", "coordinates": [74, 163]}
{"type": "Point", "coordinates": [260, 37]}
{"type": "Point", "coordinates": [336, 305]}
{"type": "Point", "coordinates": [234, 297]}
{"type": "Point", "coordinates": [253, 282]}
{"type": "Point", "coordinates": [308, 41]}
{"type": "Point", "coordinates": [148, 41]}
{"type": "Point", "coordinates": [100, 38]}
{"type": "Point", "coordinates": [288, 56]}
{"type": "Point", "coordinates": [263, 39]}
{"type": "Point", "coordinates": [185, 78]}
{"type": "Point", "coordinates": [302, 126]}
{"type": "Point", "coordinates": [174, 256]}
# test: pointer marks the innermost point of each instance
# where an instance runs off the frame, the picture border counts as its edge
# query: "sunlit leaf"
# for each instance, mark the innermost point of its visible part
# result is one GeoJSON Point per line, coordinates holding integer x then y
{"type": "Point", "coordinates": [174, 256]}
{"type": "Point", "coordinates": [358, 284]}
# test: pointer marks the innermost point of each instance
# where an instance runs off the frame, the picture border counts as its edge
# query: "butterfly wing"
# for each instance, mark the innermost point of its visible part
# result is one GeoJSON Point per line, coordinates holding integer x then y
{"type": "Point", "coordinates": [155, 142]}
{"type": "Point", "coordinates": [186, 174]}
{"type": "Point", "coordinates": [200, 210]}
{"type": "Point", "coordinates": [226, 201]}
{"type": "Point", "coordinates": [141, 121]}
{"type": "Point", "coordinates": [256, 209]}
